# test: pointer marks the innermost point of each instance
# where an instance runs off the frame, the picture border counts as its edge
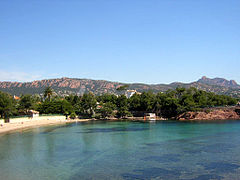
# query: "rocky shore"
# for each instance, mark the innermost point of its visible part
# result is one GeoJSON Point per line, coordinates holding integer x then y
{"type": "Point", "coordinates": [212, 114]}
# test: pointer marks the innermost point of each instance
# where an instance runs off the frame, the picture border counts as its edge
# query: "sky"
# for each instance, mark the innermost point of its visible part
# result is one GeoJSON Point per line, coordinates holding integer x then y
{"type": "Point", "coordinates": [145, 41]}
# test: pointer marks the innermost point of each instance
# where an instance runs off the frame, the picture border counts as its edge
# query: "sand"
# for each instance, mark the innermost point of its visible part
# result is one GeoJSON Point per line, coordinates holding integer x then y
{"type": "Point", "coordinates": [11, 127]}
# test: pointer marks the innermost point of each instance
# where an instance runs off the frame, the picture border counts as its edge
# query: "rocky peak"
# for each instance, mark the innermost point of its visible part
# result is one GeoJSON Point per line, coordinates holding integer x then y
{"type": "Point", "coordinates": [204, 78]}
{"type": "Point", "coordinates": [65, 85]}
{"type": "Point", "coordinates": [219, 82]}
{"type": "Point", "coordinates": [234, 83]}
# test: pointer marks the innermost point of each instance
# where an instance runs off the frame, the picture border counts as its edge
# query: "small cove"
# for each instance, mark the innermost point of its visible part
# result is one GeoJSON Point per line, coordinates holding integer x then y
{"type": "Point", "coordinates": [123, 150]}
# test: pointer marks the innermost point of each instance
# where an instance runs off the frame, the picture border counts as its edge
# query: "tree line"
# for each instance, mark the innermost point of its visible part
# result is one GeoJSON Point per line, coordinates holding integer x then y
{"type": "Point", "coordinates": [167, 105]}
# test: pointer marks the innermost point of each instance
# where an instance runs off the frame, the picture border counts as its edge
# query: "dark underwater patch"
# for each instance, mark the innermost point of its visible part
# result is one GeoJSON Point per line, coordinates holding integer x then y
{"type": "Point", "coordinates": [149, 173]}
{"type": "Point", "coordinates": [208, 177]}
{"type": "Point", "coordinates": [51, 129]}
{"type": "Point", "coordinates": [213, 148]}
{"type": "Point", "coordinates": [164, 158]}
{"type": "Point", "coordinates": [192, 151]}
{"type": "Point", "coordinates": [154, 144]}
{"type": "Point", "coordinates": [220, 167]}
{"type": "Point", "coordinates": [117, 129]}
{"type": "Point", "coordinates": [217, 148]}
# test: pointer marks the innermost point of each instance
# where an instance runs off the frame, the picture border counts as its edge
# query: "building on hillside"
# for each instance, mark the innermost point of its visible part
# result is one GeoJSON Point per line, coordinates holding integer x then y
{"type": "Point", "coordinates": [16, 97]}
{"type": "Point", "coordinates": [99, 106]}
{"type": "Point", "coordinates": [33, 113]}
{"type": "Point", "coordinates": [130, 93]}
{"type": "Point", "coordinates": [238, 104]}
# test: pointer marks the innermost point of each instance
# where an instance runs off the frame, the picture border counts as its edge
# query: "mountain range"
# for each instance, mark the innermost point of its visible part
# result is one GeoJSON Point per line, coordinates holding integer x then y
{"type": "Point", "coordinates": [65, 86]}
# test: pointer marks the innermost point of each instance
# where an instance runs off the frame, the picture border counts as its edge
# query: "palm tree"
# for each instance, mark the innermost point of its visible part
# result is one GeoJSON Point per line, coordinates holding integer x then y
{"type": "Point", "coordinates": [48, 92]}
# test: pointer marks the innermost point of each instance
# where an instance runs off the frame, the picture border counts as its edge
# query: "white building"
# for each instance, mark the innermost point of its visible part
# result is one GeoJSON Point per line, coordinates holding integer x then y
{"type": "Point", "coordinates": [130, 93]}
{"type": "Point", "coordinates": [34, 113]}
{"type": "Point", "coordinates": [150, 116]}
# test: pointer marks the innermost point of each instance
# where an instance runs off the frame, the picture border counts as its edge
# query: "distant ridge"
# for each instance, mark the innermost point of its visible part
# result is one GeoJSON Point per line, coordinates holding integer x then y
{"type": "Point", "coordinates": [64, 86]}
{"type": "Point", "coordinates": [219, 82]}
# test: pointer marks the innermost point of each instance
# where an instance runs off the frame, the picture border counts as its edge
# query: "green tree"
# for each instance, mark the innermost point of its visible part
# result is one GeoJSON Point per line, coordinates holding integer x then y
{"type": "Point", "coordinates": [88, 104]}
{"type": "Point", "coordinates": [73, 115]}
{"type": "Point", "coordinates": [147, 101]}
{"type": "Point", "coordinates": [107, 98]}
{"type": "Point", "coordinates": [123, 87]}
{"type": "Point", "coordinates": [7, 106]}
{"type": "Point", "coordinates": [66, 107]}
{"type": "Point", "coordinates": [135, 102]}
{"type": "Point", "coordinates": [169, 107]}
{"type": "Point", "coordinates": [122, 106]}
{"type": "Point", "coordinates": [158, 102]}
{"type": "Point", "coordinates": [75, 101]}
{"type": "Point", "coordinates": [56, 106]}
{"type": "Point", "coordinates": [107, 109]}
{"type": "Point", "coordinates": [179, 92]}
{"type": "Point", "coordinates": [48, 92]}
{"type": "Point", "coordinates": [26, 103]}
{"type": "Point", "coordinates": [186, 103]}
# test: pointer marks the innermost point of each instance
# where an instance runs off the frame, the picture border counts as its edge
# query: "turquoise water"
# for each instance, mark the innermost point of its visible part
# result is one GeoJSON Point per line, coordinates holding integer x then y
{"type": "Point", "coordinates": [123, 150]}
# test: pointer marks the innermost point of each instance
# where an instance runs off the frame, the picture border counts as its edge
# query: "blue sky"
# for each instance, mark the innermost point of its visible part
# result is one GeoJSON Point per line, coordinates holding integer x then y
{"type": "Point", "coordinates": [149, 41]}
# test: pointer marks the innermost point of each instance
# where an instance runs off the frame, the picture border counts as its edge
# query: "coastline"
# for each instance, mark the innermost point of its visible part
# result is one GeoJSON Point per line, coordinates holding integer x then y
{"type": "Point", "coordinates": [23, 125]}
{"type": "Point", "coordinates": [19, 124]}
{"type": "Point", "coordinates": [14, 127]}
{"type": "Point", "coordinates": [214, 114]}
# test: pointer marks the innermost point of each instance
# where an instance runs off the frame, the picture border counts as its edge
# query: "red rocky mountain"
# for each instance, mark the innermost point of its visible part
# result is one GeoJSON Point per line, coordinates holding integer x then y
{"type": "Point", "coordinates": [219, 82]}
{"type": "Point", "coordinates": [65, 86]}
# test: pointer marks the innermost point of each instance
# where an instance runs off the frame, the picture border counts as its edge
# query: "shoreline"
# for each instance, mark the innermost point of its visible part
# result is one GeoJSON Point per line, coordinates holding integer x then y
{"type": "Point", "coordinates": [211, 114]}
{"type": "Point", "coordinates": [21, 126]}
{"type": "Point", "coordinates": [14, 127]}
{"type": "Point", "coordinates": [29, 124]}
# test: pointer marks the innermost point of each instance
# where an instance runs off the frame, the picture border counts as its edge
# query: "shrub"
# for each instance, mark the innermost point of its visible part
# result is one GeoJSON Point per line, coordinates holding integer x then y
{"type": "Point", "coordinates": [73, 115]}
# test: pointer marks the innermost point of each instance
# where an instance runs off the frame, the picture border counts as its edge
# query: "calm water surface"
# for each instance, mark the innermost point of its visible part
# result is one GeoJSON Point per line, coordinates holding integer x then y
{"type": "Point", "coordinates": [123, 150]}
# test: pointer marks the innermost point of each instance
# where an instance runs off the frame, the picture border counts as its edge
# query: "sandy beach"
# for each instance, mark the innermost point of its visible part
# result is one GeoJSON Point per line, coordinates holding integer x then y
{"type": "Point", "coordinates": [11, 127]}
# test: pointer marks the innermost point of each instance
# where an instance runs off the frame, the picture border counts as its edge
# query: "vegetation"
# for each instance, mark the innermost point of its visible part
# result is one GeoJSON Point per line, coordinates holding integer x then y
{"type": "Point", "coordinates": [26, 103]}
{"type": "Point", "coordinates": [48, 92]}
{"type": "Point", "coordinates": [73, 115]}
{"type": "Point", "coordinates": [106, 109]}
{"type": "Point", "coordinates": [167, 105]}
{"type": "Point", "coordinates": [122, 107]}
{"type": "Point", "coordinates": [7, 106]}
{"type": "Point", "coordinates": [123, 87]}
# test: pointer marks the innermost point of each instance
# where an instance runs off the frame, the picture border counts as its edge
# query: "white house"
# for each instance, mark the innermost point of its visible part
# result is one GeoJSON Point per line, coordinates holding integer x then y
{"type": "Point", "coordinates": [130, 93]}
{"type": "Point", "coordinates": [34, 113]}
{"type": "Point", "coordinates": [150, 116]}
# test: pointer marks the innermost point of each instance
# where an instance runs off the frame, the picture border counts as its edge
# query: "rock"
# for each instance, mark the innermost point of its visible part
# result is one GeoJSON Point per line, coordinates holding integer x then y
{"type": "Point", "coordinates": [219, 114]}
